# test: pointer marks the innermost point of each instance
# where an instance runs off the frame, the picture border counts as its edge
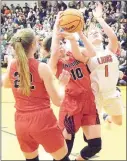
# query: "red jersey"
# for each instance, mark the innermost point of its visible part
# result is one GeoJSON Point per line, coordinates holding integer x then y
{"type": "Point", "coordinates": [80, 79]}
{"type": "Point", "coordinates": [39, 98]}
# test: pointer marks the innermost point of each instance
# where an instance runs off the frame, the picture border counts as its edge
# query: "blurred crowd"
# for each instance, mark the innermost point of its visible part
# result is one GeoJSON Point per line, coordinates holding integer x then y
{"type": "Point", "coordinates": [41, 18]}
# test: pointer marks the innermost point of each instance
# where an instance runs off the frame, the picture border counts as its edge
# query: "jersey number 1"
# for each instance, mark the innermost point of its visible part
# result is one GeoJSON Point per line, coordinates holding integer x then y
{"type": "Point", "coordinates": [106, 71]}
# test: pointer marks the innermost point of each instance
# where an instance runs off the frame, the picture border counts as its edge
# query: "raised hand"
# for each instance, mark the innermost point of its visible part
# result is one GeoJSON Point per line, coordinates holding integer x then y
{"type": "Point", "coordinates": [98, 12]}
{"type": "Point", "coordinates": [66, 35]}
{"type": "Point", "coordinates": [64, 78]}
{"type": "Point", "coordinates": [58, 18]}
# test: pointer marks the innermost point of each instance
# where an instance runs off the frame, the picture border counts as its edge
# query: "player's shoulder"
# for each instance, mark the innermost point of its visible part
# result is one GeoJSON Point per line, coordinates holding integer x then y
{"type": "Point", "coordinates": [107, 51]}
{"type": "Point", "coordinates": [12, 63]}
{"type": "Point", "coordinates": [44, 70]}
{"type": "Point", "coordinates": [43, 67]}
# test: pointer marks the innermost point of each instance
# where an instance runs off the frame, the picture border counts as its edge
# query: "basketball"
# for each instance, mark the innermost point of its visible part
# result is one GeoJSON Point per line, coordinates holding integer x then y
{"type": "Point", "coordinates": [72, 20]}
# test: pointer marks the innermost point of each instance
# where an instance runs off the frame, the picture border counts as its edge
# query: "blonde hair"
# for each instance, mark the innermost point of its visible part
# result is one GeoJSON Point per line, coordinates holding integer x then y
{"type": "Point", "coordinates": [22, 42]}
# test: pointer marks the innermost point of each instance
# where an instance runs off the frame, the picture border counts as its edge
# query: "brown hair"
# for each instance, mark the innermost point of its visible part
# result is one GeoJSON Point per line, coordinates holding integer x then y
{"type": "Point", "coordinates": [47, 43]}
{"type": "Point", "coordinates": [22, 42]}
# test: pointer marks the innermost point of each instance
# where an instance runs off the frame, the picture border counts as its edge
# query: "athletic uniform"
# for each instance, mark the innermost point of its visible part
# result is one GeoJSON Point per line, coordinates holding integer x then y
{"type": "Point", "coordinates": [35, 122]}
{"type": "Point", "coordinates": [79, 100]}
{"type": "Point", "coordinates": [104, 76]}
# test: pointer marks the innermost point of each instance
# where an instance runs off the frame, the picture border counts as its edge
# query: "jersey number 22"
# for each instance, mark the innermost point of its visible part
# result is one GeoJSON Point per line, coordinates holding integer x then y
{"type": "Point", "coordinates": [16, 82]}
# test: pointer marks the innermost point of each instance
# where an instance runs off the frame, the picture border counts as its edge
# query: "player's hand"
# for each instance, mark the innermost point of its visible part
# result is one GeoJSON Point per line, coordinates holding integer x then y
{"type": "Point", "coordinates": [57, 22]}
{"type": "Point", "coordinates": [64, 78]}
{"type": "Point", "coordinates": [66, 35]}
{"type": "Point", "coordinates": [98, 11]}
{"type": "Point", "coordinates": [81, 34]}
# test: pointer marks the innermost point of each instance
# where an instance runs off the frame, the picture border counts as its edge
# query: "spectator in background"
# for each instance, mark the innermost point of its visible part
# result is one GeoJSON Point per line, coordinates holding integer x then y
{"type": "Point", "coordinates": [21, 21]}
{"type": "Point", "coordinates": [118, 5]}
{"type": "Point", "coordinates": [12, 8]}
{"type": "Point", "coordinates": [31, 11]}
{"type": "Point", "coordinates": [18, 7]}
{"type": "Point", "coordinates": [38, 25]}
{"type": "Point", "coordinates": [35, 6]}
{"type": "Point", "coordinates": [82, 7]}
{"type": "Point", "coordinates": [4, 7]}
{"type": "Point", "coordinates": [72, 4]}
{"type": "Point", "coordinates": [7, 11]}
{"type": "Point", "coordinates": [44, 4]}
{"type": "Point", "coordinates": [26, 8]}
{"type": "Point", "coordinates": [122, 79]}
{"type": "Point", "coordinates": [61, 5]}
{"type": "Point", "coordinates": [118, 15]}
{"type": "Point", "coordinates": [122, 38]}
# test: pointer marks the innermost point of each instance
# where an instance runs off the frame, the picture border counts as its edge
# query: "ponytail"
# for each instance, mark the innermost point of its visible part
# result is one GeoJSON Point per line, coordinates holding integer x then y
{"type": "Point", "coordinates": [23, 69]}
{"type": "Point", "coordinates": [21, 42]}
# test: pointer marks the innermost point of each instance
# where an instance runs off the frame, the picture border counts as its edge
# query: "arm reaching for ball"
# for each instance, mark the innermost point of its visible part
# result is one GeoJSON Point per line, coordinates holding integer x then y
{"type": "Point", "coordinates": [81, 55]}
{"type": "Point", "coordinates": [89, 50]}
{"type": "Point", "coordinates": [113, 41]}
{"type": "Point", "coordinates": [55, 45]}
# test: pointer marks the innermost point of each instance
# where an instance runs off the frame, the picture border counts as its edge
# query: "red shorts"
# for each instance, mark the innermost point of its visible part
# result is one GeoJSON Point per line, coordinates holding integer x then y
{"type": "Point", "coordinates": [36, 128]}
{"type": "Point", "coordinates": [82, 108]}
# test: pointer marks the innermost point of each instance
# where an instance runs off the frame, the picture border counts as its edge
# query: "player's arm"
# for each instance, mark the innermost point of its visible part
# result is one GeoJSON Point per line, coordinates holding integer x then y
{"type": "Point", "coordinates": [77, 53]}
{"type": "Point", "coordinates": [46, 75]}
{"type": "Point", "coordinates": [89, 50]}
{"type": "Point", "coordinates": [53, 63]}
{"type": "Point", "coordinates": [5, 81]}
{"type": "Point", "coordinates": [113, 41]}
{"type": "Point", "coordinates": [55, 46]}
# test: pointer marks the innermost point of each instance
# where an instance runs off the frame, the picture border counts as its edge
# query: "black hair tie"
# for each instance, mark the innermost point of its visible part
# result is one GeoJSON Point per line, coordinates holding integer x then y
{"type": "Point", "coordinates": [18, 39]}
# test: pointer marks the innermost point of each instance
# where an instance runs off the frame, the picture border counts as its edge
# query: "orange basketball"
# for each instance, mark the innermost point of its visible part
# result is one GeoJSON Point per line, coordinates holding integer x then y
{"type": "Point", "coordinates": [72, 20]}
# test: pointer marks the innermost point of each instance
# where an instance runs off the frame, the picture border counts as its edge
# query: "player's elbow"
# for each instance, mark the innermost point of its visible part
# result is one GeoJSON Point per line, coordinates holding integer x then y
{"type": "Point", "coordinates": [93, 53]}
{"type": "Point", "coordinates": [90, 53]}
{"type": "Point", "coordinates": [119, 123]}
{"type": "Point", "coordinates": [57, 102]}
{"type": "Point", "coordinates": [58, 99]}
{"type": "Point", "coordinates": [6, 85]}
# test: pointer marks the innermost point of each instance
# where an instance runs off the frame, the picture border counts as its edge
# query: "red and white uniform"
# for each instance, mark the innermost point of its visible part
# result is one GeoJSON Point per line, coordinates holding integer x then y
{"type": "Point", "coordinates": [32, 123]}
{"type": "Point", "coordinates": [79, 99]}
{"type": "Point", "coordinates": [104, 76]}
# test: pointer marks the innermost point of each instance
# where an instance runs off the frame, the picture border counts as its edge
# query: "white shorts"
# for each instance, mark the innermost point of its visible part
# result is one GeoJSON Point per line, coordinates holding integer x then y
{"type": "Point", "coordinates": [112, 105]}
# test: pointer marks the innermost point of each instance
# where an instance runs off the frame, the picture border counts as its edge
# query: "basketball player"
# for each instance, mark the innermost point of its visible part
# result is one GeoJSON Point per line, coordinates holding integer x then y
{"type": "Point", "coordinates": [45, 49]}
{"type": "Point", "coordinates": [104, 69]}
{"type": "Point", "coordinates": [32, 84]}
{"type": "Point", "coordinates": [78, 108]}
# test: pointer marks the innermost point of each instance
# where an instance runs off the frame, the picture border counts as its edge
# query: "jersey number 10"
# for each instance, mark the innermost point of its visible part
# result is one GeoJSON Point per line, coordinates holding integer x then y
{"type": "Point", "coordinates": [76, 73]}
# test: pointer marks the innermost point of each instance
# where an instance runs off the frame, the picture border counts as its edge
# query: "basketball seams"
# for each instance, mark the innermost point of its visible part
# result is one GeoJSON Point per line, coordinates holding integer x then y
{"type": "Point", "coordinates": [75, 27]}
{"type": "Point", "coordinates": [80, 20]}
{"type": "Point", "coordinates": [69, 23]}
{"type": "Point", "coordinates": [70, 15]}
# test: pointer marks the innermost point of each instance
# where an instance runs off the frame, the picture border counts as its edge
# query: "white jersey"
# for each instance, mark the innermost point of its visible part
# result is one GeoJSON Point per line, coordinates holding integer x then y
{"type": "Point", "coordinates": [104, 72]}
